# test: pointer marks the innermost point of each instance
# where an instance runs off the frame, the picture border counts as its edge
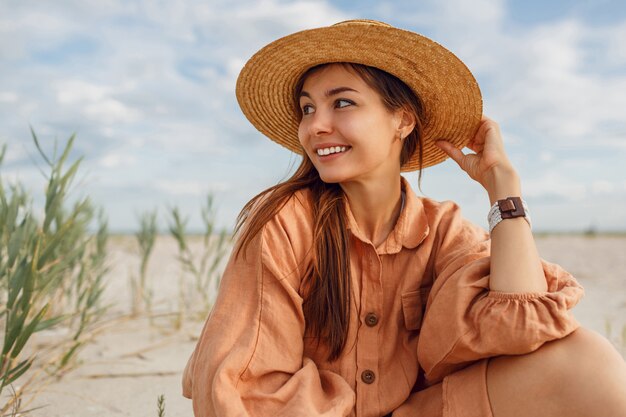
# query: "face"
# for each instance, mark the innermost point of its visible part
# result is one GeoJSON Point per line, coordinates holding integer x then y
{"type": "Point", "coordinates": [346, 130]}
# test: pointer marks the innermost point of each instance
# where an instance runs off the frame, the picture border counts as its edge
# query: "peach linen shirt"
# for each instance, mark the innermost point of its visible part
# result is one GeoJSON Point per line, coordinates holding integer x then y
{"type": "Point", "coordinates": [421, 309]}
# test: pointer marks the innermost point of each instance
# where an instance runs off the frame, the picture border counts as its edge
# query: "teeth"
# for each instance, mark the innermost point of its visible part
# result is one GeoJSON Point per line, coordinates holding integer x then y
{"type": "Point", "coordinates": [332, 149]}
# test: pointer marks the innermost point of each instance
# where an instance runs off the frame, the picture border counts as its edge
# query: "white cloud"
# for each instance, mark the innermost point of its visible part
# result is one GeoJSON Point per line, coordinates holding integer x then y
{"type": "Point", "coordinates": [613, 37]}
{"type": "Point", "coordinates": [181, 137]}
{"type": "Point", "coordinates": [78, 92]}
{"type": "Point", "coordinates": [603, 187]}
{"type": "Point", "coordinates": [477, 13]}
{"type": "Point", "coordinates": [296, 14]}
{"type": "Point", "coordinates": [545, 81]}
{"type": "Point", "coordinates": [95, 102]}
{"type": "Point", "coordinates": [546, 156]}
{"type": "Point", "coordinates": [22, 27]}
{"type": "Point", "coordinates": [110, 111]}
{"type": "Point", "coordinates": [12, 153]}
{"type": "Point", "coordinates": [173, 187]}
{"type": "Point", "coordinates": [554, 184]}
{"type": "Point", "coordinates": [116, 160]}
{"type": "Point", "coordinates": [8, 97]}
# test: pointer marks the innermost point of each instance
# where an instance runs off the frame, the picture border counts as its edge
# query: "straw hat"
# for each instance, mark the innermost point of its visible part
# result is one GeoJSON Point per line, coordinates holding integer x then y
{"type": "Point", "coordinates": [451, 97]}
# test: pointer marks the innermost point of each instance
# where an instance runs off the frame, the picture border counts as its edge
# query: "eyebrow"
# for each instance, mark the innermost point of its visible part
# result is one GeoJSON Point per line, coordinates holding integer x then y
{"type": "Point", "coordinates": [331, 92]}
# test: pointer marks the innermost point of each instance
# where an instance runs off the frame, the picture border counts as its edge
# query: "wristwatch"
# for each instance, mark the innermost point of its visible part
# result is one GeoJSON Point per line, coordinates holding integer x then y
{"type": "Point", "coordinates": [508, 208]}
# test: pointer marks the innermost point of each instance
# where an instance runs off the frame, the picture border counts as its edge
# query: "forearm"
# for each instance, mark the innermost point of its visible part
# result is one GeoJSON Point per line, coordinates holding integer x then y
{"type": "Point", "coordinates": [515, 262]}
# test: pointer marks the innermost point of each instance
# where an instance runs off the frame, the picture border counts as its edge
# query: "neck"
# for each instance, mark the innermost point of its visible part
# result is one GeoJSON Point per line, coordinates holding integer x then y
{"type": "Point", "coordinates": [375, 206]}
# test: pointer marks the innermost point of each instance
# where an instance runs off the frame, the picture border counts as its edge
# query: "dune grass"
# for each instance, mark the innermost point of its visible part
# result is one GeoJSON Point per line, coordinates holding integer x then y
{"type": "Point", "coordinates": [204, 268]}
{"type": "Point", "coordinates": [142, 294]}
{"type": "Point", "coordinates": [51, 273]}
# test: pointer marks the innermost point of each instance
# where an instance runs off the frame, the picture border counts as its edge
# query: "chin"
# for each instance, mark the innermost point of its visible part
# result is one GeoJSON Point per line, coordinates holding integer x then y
{"type": "Point", "coordinates": [332, 178]}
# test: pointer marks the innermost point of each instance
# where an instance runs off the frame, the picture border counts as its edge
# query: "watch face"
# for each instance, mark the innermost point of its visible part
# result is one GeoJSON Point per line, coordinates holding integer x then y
{"type": "Point", "coordinates": [511, 207]}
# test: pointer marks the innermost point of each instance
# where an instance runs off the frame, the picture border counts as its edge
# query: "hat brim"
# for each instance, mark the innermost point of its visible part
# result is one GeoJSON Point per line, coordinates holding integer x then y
{"type": "Point", "coordinates": [448, 90]}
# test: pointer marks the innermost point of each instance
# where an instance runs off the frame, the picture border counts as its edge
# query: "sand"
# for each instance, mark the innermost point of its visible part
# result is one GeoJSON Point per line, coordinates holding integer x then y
{"type": "Point", "coordinates": [132, 362]}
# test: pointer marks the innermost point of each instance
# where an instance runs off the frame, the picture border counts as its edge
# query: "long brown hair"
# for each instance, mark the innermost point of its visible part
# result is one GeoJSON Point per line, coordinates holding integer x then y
{"type": "Point", "coordinates": [327, 278]}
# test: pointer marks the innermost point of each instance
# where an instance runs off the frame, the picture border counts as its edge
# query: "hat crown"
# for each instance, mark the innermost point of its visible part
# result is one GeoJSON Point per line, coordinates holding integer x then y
{"type": "Point", "coordinates": [368, 22]}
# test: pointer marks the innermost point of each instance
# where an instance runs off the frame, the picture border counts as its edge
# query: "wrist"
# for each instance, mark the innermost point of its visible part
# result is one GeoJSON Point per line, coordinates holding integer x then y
{"type": "Point", "coordinates": [501, 183]}
{"type": "Point", "coordinates": [508, 208]}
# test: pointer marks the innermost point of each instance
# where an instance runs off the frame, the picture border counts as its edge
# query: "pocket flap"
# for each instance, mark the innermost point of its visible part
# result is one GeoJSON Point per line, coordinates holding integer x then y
{"type": "Point", "coordinates": [413, 304]}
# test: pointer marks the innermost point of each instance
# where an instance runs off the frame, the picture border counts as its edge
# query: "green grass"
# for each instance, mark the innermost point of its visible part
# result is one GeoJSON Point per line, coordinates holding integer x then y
{"type": "Point", "coordinates": [145, 236]}
{"type": "Point", "coordinates": [161, 405]}
{"type": "Point", "coordinates": [205, 268]}
{"type": "Point", "coordinates": [51, 271]}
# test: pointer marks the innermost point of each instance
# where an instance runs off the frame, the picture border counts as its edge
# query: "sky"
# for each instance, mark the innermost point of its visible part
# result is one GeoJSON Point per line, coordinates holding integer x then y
{"type": "Point", "coordinates": [148, 88]}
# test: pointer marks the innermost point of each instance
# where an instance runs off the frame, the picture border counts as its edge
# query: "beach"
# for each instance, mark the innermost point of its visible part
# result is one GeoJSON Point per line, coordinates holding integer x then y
{"type": "Point", "coordinates": [132, 361]}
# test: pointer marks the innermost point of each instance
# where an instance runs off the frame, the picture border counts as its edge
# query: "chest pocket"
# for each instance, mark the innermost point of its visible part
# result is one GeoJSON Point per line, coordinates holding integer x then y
{"type": "Point", "coordinates": [413, 306]}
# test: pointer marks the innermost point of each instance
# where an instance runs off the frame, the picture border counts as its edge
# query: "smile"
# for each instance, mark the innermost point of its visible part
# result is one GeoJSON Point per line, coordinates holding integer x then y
{"type": "Point", "coordinates": [331, 150]}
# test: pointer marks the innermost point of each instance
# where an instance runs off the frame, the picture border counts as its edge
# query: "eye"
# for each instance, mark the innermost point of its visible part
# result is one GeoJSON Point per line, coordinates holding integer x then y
{"type": "Point", "coordinates": [307, 109]}
{"type": "Point", "coordinates": [342, 102]}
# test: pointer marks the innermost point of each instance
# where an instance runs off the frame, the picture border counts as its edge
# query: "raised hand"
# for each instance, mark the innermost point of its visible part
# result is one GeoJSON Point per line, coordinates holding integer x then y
{"type": "Point", "coordinates": [489, 165]}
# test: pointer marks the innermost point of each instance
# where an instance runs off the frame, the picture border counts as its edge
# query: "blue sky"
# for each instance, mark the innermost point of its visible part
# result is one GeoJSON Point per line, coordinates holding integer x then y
{"type": "Point", "coordinates": [148, 86]}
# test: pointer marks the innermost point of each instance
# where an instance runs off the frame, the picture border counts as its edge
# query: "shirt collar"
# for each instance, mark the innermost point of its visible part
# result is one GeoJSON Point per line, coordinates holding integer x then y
{"type": "Point", "coordinates": [410, 229]}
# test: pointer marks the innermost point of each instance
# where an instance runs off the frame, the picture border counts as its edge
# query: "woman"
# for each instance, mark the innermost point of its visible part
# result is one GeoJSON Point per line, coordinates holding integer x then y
{"type": "Point", "coordinates": [348, 295]}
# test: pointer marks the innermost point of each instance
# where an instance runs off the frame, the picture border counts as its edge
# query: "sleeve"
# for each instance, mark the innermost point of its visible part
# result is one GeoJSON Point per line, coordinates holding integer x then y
{"type": "Point", "coordinates": [464, 321]}
{"type": "Point", "coordinates": [249, 358]}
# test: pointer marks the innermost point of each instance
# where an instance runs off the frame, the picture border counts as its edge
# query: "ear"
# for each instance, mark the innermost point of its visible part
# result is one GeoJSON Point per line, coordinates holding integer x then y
{"type": "Point", "coordinates": [405, 122]}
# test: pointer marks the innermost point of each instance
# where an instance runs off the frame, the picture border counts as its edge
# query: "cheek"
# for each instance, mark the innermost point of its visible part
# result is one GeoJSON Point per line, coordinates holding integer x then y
{"type": "Point", "coordinates": [301, 131]}
{"type": "Point", "coordinates": [351, 127]}
{"type": "Point", "coordinates": [363, 126]}
{"type": "Point", "coordinates": [302, 137]}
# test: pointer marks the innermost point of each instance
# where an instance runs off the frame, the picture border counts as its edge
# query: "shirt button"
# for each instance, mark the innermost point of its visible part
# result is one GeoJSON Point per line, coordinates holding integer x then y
{"type": "Point", "coordinates": [368, 376]}
{"type": "Point", "coordinates": [371, 319]}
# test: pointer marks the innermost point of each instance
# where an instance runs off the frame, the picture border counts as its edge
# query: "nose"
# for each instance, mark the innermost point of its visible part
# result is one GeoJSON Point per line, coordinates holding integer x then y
{"type": "Point", "coordinates": [319, 123]}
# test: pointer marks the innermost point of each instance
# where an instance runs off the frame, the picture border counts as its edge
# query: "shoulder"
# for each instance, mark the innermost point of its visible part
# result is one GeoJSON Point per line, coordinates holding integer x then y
{"type": "Point", "coordinates": [440, 213]}
{"type": "Point", "coordinates": [438, 209]}
{"type": "Point", "coordinates": [293, 221]}
{"type": "Point", "coordinates": [446, 217]}
{"type": "Point", "coordinates": [287, 237]}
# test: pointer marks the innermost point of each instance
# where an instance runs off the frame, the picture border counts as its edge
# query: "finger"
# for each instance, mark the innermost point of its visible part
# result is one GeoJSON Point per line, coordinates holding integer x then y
{"type": "Point", "coordinates": [491, 133]}
{"type": "Point", "coordinates": [475, 146]}
{"type": "Point", "coordinates": [453, 152]}
{"type": "Point", "coordinates": [480, 138]}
